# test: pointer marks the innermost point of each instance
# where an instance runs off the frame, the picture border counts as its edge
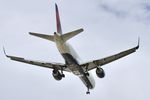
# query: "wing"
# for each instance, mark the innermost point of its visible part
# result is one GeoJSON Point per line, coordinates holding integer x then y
{"type": "Point", "coordinates": [100, 62]}
{"type": "Point", "coordinates": [39, 63]}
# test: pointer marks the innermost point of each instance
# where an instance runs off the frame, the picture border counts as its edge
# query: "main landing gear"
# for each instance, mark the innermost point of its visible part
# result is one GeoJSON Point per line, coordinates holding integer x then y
{"type": "Point", "coordinates": [87, 74]}
{"type": "Point", "coordinates": [62, 74]}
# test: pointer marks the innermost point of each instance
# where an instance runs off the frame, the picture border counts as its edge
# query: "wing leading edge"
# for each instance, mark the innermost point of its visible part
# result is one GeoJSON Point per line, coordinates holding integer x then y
{"type": "Point", "coordinates": [100, 62]}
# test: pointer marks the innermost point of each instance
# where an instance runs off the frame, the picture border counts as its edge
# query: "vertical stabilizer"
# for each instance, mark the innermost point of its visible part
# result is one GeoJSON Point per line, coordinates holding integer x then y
{"type": "Point", "coordinates": [59, 30]}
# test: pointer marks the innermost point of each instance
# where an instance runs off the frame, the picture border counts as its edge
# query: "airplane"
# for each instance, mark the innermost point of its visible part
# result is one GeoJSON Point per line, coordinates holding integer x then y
{"type": "Point", "coordinates": [71, 58]}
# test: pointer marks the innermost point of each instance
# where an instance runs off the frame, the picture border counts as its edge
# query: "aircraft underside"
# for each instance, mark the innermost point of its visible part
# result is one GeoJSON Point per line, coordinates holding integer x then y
{"type": "Point", "coordinates": [70, 57]}
{"type": "Point", "coordinates": [76, 69]}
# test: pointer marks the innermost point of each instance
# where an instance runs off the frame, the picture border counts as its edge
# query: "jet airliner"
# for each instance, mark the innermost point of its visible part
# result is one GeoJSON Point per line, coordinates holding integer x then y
{"type": "Point", "coordinates": [71, 63]}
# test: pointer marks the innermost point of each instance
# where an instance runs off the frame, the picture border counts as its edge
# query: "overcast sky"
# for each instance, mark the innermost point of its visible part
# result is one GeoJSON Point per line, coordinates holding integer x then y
{"type": "Point", "coordinates": [110, 26]}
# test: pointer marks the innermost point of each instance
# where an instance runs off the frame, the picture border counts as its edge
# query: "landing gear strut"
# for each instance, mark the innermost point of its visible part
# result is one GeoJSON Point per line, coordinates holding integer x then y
{"type": "Point", "coordinates": [88, 92]}
{"type": "Point", "coordinates": [63, 75]}
{"type": "Point", "coordinates": [87, 74]}
{"type": "Point", "coordinates": [86, 71]}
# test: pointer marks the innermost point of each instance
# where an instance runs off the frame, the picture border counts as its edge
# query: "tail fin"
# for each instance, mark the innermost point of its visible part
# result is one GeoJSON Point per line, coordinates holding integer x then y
{"type": "Point", "coordinates": [59, 30]}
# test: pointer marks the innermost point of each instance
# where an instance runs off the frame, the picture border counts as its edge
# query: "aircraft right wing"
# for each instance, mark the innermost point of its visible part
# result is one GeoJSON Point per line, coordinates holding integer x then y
{"type": "Point", "coordinates": [100, 62]}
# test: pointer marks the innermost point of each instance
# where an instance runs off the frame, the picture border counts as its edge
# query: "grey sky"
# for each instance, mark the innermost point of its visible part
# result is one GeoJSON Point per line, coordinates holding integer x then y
{"type": "Point", "coordinates": [110, 27]}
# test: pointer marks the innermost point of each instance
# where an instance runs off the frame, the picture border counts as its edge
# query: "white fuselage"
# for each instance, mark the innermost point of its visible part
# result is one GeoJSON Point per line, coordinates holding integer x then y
{"type": "Point", "coordinates": [71, 59]}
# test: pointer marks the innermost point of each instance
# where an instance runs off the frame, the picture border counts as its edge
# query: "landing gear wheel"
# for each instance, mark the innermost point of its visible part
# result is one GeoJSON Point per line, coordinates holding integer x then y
{"type": "Point", "coordinates": [63, 75]}
{"type": "Point", "coordinates": [87, 92]}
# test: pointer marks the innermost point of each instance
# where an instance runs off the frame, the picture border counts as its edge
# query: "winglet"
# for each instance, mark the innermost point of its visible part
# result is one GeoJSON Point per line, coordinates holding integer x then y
{"type": "Point", "coordinates": [4, 52]}
{"type": "Point", "coordinates": [138, 43]}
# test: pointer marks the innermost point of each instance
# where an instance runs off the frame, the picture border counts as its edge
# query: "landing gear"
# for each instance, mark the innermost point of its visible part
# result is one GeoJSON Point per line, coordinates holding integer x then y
{"type": "Point", "coordinates": [88, 92]}
{"type": "Point", "coordinates": [63, 75]}
{"type": "Point", "coordinates": [86, 70]}
{"type": "Point", "coordinates": [87, 74]}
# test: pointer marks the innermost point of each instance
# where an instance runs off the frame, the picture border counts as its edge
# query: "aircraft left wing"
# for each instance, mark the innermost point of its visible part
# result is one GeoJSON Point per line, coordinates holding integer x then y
{"type": "Point", "coordinates": [58, 66]}
{"type": "Point", "coordinates": [100, 62]}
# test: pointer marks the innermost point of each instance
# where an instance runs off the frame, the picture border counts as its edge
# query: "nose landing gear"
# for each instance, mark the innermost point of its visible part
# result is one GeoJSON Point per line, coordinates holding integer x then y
{"type": "Point", "coordinates": [88, 92]}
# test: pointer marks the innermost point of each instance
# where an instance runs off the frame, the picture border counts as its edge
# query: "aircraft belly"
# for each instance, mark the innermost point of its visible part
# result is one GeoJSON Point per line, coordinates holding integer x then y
{"type": "Point", "coordinates": [87, 82]}
{"type": "Point", "coordinates": [72, 64]}
{"type": "Point", "coordinates": [75, 69]}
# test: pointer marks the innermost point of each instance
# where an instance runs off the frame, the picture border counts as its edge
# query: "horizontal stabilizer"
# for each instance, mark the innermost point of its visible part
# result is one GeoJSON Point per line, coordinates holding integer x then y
{"type": "Point", "coordinates": [47, 37]}
{"type": "Point", "coordinates": [69, 35]}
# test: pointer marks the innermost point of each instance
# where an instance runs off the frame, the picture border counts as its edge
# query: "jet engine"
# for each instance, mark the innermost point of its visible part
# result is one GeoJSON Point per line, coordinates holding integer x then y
{"type": "Point", "coordinates": [57, 75]}
{"type": "Point", "coordinates": [100, 73]}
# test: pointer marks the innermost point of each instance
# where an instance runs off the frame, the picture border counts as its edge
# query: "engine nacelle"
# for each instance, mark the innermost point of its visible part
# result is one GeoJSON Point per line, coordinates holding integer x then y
{"type": "Point", "coordinates": [100, 73]}
{"type": "Point", "coordinates": [57, 75]}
